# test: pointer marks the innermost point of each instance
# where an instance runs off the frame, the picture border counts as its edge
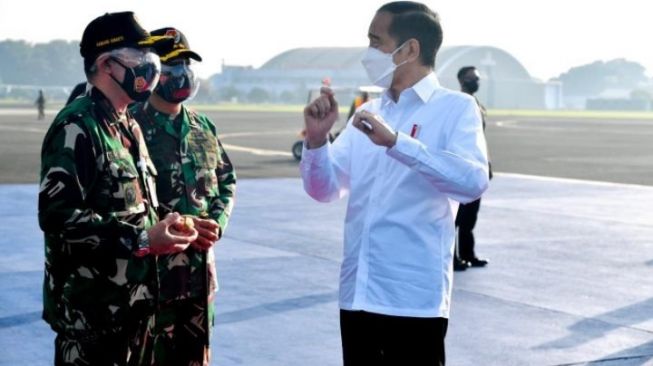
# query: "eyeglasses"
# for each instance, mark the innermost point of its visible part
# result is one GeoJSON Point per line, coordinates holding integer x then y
{"type": "Point", "coordinates": [134, 56]}
{"type": "Point", "coordinates": [177, 69]}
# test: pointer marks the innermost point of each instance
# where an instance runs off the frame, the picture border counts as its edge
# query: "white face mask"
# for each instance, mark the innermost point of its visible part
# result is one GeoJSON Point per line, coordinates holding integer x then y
{"type": "Point", "coordinates": [380, 67]}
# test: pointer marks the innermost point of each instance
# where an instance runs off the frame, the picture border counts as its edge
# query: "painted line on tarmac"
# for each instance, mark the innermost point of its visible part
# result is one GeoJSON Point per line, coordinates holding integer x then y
{"type": "Point", "coordinates": [22, 129]}
{"type": "Point", "coordinates": [505, 123]}
{"type": "Point", "coordinates": [572, 180]}
{"type": "Point", "coordinates": [244, 134]}
{"type": "Point", "coordinates": [254, 151]}
{"type": "Point", "coordinates": [520, 123]}
{"type": "Point", "coordinates": [250, 150]}
{"type": "Point", "coordinates": [25, 112]}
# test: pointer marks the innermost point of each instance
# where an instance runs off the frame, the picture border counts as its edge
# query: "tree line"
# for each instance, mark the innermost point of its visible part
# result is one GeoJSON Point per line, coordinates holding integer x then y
{"type": "Point", "coordinates": [58, 63]}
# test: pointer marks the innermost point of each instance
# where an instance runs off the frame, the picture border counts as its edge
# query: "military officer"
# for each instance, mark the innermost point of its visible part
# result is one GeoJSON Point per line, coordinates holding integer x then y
{"type": "Point", "coordinates": [465, 255]}
{"type": "Point", "coordinates": [97, 204]}
{"type": "Point", "coordinates": [195, 178]}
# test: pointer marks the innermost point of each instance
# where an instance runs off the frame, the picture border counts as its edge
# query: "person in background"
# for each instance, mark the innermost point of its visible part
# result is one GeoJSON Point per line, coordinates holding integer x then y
{"type": "Point", "coordinates": [40, 105]}
{"type": "Point", "coordinates": [197, 179]}
{"type": "Point", "coordinates": [469, 80]}
{"type": "Point", "coordinates": [358, 101]}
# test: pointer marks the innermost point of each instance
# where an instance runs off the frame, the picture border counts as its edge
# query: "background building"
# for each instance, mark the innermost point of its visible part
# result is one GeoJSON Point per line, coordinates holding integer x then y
{"type": "Point", "coordinates": [289, 76]}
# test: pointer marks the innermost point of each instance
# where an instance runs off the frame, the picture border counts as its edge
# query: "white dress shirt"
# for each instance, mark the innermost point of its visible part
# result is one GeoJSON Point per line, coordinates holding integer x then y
{"type": "Point", "coordinates": [399, 227]}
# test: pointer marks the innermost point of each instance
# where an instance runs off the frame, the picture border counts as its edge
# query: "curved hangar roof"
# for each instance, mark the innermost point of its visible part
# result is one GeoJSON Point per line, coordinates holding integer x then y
{"type": "Point", "coordinates": [449, 60]}
{"type": "Point", "coordinates": [340, 58]}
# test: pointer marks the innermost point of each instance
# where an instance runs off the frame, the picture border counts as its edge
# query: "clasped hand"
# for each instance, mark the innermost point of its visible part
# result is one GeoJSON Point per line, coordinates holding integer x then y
{"type": "Point", "coordinates": [372, 125]}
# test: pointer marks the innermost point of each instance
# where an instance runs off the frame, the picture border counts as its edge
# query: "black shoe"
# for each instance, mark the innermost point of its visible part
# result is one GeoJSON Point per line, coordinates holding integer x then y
{"type": "Point", "coordinates": [459, 264]}
{"type": "Point", "coordinates": [477, 262]}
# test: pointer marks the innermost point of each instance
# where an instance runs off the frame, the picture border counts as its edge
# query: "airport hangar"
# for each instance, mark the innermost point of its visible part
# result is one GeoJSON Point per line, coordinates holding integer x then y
{"type": "Point", "coordinates": [506, 84]}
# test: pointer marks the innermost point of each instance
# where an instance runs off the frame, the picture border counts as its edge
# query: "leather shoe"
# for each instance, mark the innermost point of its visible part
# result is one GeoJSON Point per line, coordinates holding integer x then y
{"type": "Point", "coordinates": [459, 264]}
{"type": "Point", "coordinates": [477, 262]}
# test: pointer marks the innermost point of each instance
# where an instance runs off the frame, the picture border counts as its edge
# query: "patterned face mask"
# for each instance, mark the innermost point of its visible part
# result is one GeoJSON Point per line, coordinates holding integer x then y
{"type": "Point", "coordinates": [143, 74]}
{"type": "Point", "coordinates": [178, 83]}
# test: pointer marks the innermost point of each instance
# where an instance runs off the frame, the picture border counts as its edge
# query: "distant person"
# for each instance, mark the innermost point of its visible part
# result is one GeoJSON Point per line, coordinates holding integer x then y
{"type": "Point", "coordinates": [469, 79]}
{"type": "Point", "coordinates": [40, 105]}
{"type": "Point", "coordinates": [195, 178]}
{"type": "Point", "coordinates": [358, 101]}
{"type": "Point", "coordinates": [78, 91]}
{"type": "Point", "coordinates": [97, 205]}
{"type": "Point", "coordinates": [401, 159]}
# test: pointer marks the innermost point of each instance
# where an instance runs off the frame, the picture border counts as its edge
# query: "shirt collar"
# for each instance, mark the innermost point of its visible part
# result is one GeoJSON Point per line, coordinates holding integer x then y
{"type": "Point", "coordinates": [424, 89]}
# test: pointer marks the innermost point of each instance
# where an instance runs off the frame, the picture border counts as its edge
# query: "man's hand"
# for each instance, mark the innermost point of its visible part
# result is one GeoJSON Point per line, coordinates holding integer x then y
{"type": "Point", "coordinates": [165, 239]}
{"type": "Point", "coordinates": [319, 117]}
{"type": "Point", "coordinates": [208, 233]}
{"type": "Point", "coordinates": [375, 128]}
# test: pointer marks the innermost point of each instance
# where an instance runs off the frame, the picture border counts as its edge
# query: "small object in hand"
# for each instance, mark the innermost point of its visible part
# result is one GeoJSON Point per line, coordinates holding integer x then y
{"type": "Point", "coordinates": [367, 124]}
{"type": "Point", "coordinates": [185, 224]}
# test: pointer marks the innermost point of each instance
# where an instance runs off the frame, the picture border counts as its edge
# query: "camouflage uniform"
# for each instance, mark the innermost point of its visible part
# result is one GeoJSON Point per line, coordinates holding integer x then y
{"type": "Point", "coordinates": [94, 201]}
{"type": "Point", "coordinates": [196, 178]}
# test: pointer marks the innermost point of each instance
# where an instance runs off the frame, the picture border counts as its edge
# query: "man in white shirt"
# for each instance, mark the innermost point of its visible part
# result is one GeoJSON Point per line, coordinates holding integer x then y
{"type": "Point", "coordinates": [405, 160]}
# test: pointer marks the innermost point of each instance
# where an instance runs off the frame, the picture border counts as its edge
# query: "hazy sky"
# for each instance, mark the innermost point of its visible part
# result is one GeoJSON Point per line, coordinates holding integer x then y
{"type": "Point", "coordinates": [547, 36]}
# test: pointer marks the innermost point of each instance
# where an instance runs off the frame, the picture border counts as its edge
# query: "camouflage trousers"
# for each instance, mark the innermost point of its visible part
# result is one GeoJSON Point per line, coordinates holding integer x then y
{"type": "Point", "coordinates": [181, 333]}
{"type": "Point", "coordinates": [115, 349]}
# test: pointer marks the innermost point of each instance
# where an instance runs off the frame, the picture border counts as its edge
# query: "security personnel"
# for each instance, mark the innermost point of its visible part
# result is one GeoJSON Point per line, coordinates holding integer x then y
{"type": "Point", "coordinates": [465, 256]}
{"type": "Point", "coordinates": [196, 179]}
{"type": "Point", "coordinates": [97, 205]}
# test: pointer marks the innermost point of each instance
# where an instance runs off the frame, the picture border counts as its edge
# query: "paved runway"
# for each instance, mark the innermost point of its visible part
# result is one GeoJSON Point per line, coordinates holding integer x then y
{"type": "Point", "coordinates": [568, 284]}
{"type": "Point", "coordinates": [569, 281]}
{"type": "Point", "coordinates": [259, 144]}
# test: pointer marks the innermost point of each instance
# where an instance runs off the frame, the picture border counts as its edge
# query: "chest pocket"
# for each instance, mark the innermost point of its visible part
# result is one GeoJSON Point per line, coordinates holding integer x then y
{"type": "Point", "coordinates": [203, 148]}
{"type": "Point", "coordinates": [125, 192]}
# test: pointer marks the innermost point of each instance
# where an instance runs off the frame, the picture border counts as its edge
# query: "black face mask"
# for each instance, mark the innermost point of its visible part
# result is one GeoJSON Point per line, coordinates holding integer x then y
{"type": "Point", "coordinates": [138, 80]}
{"type": "Point", "coordinates": [471, 86]}
{"type": "Point", "coordinates": [175, 89]}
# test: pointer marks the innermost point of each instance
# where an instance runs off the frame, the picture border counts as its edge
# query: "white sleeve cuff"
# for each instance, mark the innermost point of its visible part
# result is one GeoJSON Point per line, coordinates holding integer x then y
{"type": "Point", "coordinates": [316, 156]}
{"type": "Point", "coordinates": [406, 149]}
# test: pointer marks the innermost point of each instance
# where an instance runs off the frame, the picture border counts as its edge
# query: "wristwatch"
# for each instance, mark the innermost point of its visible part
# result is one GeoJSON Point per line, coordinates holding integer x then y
{"type": "Point", "coordinates": [142, 244]}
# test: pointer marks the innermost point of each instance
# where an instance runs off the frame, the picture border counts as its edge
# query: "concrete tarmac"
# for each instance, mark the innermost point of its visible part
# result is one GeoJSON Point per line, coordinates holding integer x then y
{"type": "Point", "coordinates": [568, 281]}
{"type": "Point", "coordinates": [259, 144]}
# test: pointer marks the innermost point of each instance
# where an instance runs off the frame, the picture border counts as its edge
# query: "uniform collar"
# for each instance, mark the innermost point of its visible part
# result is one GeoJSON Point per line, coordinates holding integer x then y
{"type": "Point", "coordinates": [105, 108]}
{"type": "Point", "coordinates": [177, 125]}
{"type": "Point", "coordinates": [147, 107]}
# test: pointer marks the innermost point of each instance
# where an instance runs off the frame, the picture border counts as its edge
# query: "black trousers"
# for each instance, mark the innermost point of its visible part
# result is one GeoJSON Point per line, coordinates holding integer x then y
{"type": "Point", "coordinates": [370, 339]}
{"type": "Point", "coordinates": [465, 222]}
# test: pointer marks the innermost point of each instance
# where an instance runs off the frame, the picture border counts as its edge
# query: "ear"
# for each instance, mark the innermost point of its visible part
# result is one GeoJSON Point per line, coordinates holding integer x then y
{"type": "Point", "coordinates": [102, 64]}
{"type": "Point", "coordinates": [414, 50]}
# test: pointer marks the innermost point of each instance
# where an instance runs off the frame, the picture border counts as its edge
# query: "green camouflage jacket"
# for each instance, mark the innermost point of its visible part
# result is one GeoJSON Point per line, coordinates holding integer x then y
{"type": "Point", "coordinates": [94, 200]}
{"type": "Point", "coordinates": [195, 177]}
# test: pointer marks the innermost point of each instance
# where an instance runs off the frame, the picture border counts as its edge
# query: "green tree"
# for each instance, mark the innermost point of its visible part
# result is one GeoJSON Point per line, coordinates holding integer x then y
{"type": "Point", "coordinates": [592, 79]}
{"type": "Point", "coordinates": [56, 63]}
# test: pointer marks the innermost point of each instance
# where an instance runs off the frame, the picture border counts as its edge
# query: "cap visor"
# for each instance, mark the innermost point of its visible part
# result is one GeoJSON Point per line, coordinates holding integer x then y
{"type": "Point", "coordinates": [160, 44]}
{"type": "Point", "coordinates": [180, 53]}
